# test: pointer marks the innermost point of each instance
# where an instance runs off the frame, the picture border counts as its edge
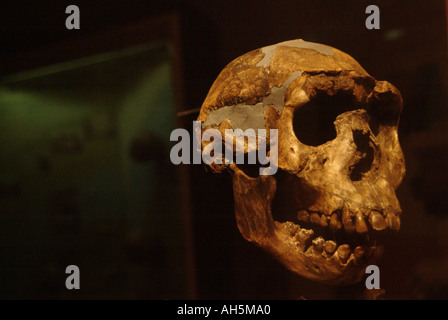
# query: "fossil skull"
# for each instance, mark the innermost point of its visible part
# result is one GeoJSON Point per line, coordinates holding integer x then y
{"type": "Point", "coordinates": [339, 158]}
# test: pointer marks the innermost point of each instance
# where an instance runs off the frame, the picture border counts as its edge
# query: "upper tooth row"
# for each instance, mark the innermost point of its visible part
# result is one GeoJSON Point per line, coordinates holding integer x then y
{"type": "Point", "coordinates": [351, 222]}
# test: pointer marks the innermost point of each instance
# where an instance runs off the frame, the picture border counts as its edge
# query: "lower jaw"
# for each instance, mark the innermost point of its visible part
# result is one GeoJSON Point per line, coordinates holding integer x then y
{"type": "Point", "coordinates": [342, 265]}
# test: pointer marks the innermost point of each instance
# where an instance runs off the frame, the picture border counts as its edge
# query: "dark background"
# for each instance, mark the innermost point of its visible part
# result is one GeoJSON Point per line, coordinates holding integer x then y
{"type": "Point", "coordinates": [409, 51]}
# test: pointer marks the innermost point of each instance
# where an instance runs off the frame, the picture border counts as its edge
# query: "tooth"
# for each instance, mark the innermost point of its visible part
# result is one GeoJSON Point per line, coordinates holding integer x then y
{"type": "Point", "coordinates": [361, 226]}
{"type": "Point", "coordinates": [393, 221]}
{"type": "Point", "coordinates": [377, 221]}
{"type": "Point", "coordinates": [343, 252]}
{"type": "Point", "coordinates": [315, 218]}
{"type": "Point", "coordinates": [330, 246]}
{"type": "Point", "coordinates": [378, 251]}
{"type": "Point", "coordinates": [335, 223]}
{"type": "Point", "coordinates": [303, 215]}
{"type": "Point", "coordinates": [323, 221]}
{"type": "Point", "coordinates": [318, 244]}
{"type": "Point", "coordinates": [349, 225]}
{"type": "Point", "coordinates": [292, 228]}
{"type": "Point", "coordinates": [304, 234]}
{"type": "Point", "coordinates": [359, 253]}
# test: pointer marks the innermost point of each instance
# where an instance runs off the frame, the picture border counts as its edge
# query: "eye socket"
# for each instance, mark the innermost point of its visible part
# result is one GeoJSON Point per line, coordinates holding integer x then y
{"type": "Point", "coordinates": [313, 123]}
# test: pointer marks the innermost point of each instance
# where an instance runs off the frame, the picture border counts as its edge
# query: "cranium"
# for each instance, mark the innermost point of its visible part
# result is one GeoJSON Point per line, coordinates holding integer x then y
{"type": "Point", "coordinates": [319, 214]}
